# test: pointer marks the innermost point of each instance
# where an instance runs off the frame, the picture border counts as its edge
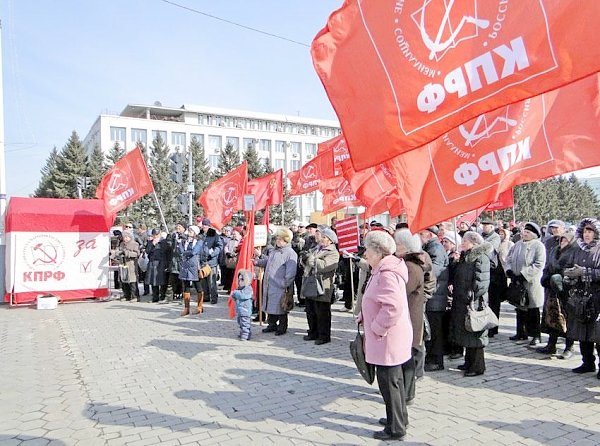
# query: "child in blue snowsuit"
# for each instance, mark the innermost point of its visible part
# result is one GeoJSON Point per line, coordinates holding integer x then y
{"type": "Point", "coordinates": [243, 303]}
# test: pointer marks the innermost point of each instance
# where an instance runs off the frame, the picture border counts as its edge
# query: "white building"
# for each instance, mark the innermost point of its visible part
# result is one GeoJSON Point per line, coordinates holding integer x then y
{"type": "Point", "coordinates": [286, 141]}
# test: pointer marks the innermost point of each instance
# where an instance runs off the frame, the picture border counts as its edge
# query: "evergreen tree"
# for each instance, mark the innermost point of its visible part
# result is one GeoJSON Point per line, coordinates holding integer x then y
{"type": "Point", "coordinates": [166, 189]}
{"type": "Point", "coordinates": [229, 159]}
{"type": "Point", "coordinates": [45, 187]}
{"type": "Point", "coordinates": [70, 166]}
{"type": "Point", "coordinates": [201, 174]}
{"type": "Point", "coordinates": [96, 168]}
{"type": "Point", "coordinates": [115, 154]}
{"type": "Point", "coordinates": [255, 169]}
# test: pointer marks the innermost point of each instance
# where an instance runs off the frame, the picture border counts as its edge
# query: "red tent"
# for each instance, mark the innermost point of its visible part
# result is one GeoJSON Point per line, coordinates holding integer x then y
{"type": "Point", "coordinates": [56, 246]}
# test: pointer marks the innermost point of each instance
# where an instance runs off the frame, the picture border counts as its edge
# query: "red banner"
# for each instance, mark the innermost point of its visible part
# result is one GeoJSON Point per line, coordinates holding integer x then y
{"type": "Point", "coordinates": [399, 74]}
{"type": "Point", "coordinates": [347, 234]}
{"type": "Point", "coordinates": [505, 200]}
{"type": "Point", "coordinates": [244, 259]}
{"type": "Point", "coordinates": [308, 177]}
{"type": "Point", "coordinates": [336, 152]}
{"type": "Point", "coordinates": [544, 136]}
{"type": "Point", "coordinates": [125, 182]}
{"type": "Point", "coordinates": [337, 194]}
{"type": "Point", "coordinates": [267, 190]}
{"type": "Point", "coordinates": [225, 196]}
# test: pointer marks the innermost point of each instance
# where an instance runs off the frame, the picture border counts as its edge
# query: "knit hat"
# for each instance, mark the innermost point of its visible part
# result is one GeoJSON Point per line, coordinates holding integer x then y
{"type": "Point", "coordinates": [452, 237]}
{"type": "Point", "coordinates": [556, 224]}
{"type": "Point", "coordinates": [328, 232]}
{"type": "Point", "coordinates": [206, 222]}
{"type": "Point", "coordinates": [531, 226]}
{"type": "Point", "coordinates": [195, 228]}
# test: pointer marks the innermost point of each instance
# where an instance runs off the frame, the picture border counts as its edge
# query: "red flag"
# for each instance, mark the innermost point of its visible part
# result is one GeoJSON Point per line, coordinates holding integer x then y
{"type": "Point", "coordinates": [308, 177]}
{"type": "Point", "coordinates": [124, 183]}
{"type": "Point", "coordinates": [400, 74]}
{"type": "Point", "coordinates": [337, 194]}
{"type": "Point", "coordinates": [244, 259]}
{"type": "Point", "coordinates": [470, 166]}
{"type": "Point", "coordinates": [267, 190]}
{"type": "Point", "coordinates": [505, 200]}
{"type": "Point", "coordinates": [225, 196]}
{"type": "Point", "coordinates": [336, 151]}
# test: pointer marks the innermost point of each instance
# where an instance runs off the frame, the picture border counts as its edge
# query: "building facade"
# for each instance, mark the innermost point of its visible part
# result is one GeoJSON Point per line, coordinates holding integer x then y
{"type": "Point", "coordinates": [287, 142]}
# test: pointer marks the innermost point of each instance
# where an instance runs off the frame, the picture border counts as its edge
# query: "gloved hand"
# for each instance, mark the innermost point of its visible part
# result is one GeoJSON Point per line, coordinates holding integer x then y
{"type": "Point", "coordinates": [556, 282]}
{"type": "Point", "coordinates": [573, 273]}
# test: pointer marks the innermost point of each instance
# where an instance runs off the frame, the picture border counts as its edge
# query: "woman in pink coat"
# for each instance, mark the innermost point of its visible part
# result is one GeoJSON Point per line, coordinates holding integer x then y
{"type": "Point", "coordinates": [388, 330]}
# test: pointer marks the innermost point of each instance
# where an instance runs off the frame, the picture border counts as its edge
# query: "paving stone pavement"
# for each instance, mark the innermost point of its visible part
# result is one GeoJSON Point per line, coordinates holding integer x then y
{"type": "Point", "coordinates": [120, 373]}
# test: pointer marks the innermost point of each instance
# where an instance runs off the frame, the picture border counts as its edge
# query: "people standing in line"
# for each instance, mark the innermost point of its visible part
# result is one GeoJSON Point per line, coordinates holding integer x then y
{"type": "Point", "coordinates": [127, 253]}
{"type": "Point", "coordinates": [525, 262]}
{"type": "Point", "coordinates": [470, 282]}
{"type": "Point", "coordinates": [322, 262]}
{"type": "Point", "coordinates": [554, 288]}
{"type": "Point", "coordinates": [280, 270]}
{"type": "Point", "coordinates": [243, 296]}
{"type": "Point", "coordinates": [388, 329]}
{"type": "Point", "coordinates": [498, 283]}
{"type": "Point", "coordinates": [174, 239]}
{"type": "Point", "coordinates": [212, 247]}
{"type": "Point", "coordinates": [436, 306]}
{"type": "Point", "coordinates": [157, 250]}
{"type": "Point", "coordinates": [418, 263]}
{"type": "Point", "coordinates": [582, 274]}
{"type": "Point", "coordinates": [189, 249]}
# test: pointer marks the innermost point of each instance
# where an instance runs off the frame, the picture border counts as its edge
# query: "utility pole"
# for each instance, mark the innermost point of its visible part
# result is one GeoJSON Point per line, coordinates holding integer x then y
{"type": "Point", "coordinates": [190, 188]}
{"type": "Point", "coordinates": [2, 177]}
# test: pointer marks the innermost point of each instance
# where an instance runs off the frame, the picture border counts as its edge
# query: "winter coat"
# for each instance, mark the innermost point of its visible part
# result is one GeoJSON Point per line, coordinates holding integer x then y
{"type": "Point", "coordinates": [439, 261]}
{"type": "Point", "coordinates": [127, 254]}
{"type": "Point", "coordinates": [213, 244]}
{"type": "Point", "coordinates": [322, 262]}
{"type": "Point", "coordinates": [364, 271]}
{"type": "Point", "coordinates": [173, 241]}
{"type": "Point", "coordinates": [471, 280]}
{"type": "Point", "coordinates": [280, 271]}
{"type": "Point", "coordinates": [190, 259]}
{"type": "Point", "coordinates": [158, 263]}
{"type": "Point", "coordinates": [415, 292]}
{"type": "Point", "coordinates": [385, 314]}
{"type": "Point", "coordinates": [588, 256]}
{"type": "Point", "coordinates": [243, 299]}
{"type": "Point", "coordinates": [532, 256]}
{"type": "Point", "coordinates": [505, 247]}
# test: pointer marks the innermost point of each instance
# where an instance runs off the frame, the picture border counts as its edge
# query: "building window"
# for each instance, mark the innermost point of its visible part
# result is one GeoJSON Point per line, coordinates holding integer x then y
{"type": "Point", "coordinates": [296, 146]}
{"type": "Point", "coordinates": [265, 144]}
{"type": "Point", "coordinates": [139, 135]}
{"type": "Point", "coordinates": [199, 138]}
{"type": "Point", "coordinates": [248, 143]}
{"type": "Point", "coordinates": [214, 142]}
{"type": "Point", "coordinates": [310, 202]}
{"type": "Point", "coordinates": [295, 164]}
{"type": "Point", "coordinates": [178, 139]}
{"type": "Point", "coordinates": [280, 146]}
{"type": "Point", "coordinates": [311, 149]}
{"type": "Point", "coordinates": [264, 161]}
{"type": "Point", "coordinates": [235, 142]}
{"type": "Point", "coordinates": [279, 164]}
{"type": "Point", "coordinates": [213, 161]}
{"type": "Point", "coordinates": [117, 133]}
{"type": "Point", "coordinates": [159, 133]}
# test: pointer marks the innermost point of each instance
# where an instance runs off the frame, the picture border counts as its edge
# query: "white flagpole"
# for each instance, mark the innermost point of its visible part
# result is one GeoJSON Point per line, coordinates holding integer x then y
{"type": "Point", "coordinates": [162, 217]}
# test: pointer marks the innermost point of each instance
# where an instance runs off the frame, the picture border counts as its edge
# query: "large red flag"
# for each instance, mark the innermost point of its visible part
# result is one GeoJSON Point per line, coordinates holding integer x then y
{"type": "Point", "coordinates": [244, 259]}
{"type": "Point", "coordinates": [337, 194]}
{"type": "Point", "coordinates": [267, 190]}
{"type": "Point", "coordinates": [307, 178]}
{"type": "Point", "coordinates": [399, 74]}
{"type": "Point", "coordinates": [336, 151]}
{"type": "Point", "coordinates": [505, 200]}
{"type": "Point", "coordinates": [544, 136]}
{"type": "Point", "coordinates": [124, 183]}
{"type": "Point", "coordinates": [225, 196]}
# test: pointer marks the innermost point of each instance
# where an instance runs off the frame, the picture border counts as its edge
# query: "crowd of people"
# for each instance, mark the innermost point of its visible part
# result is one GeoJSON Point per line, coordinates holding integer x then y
{"type": "Point", "coordinates": [411, 292]}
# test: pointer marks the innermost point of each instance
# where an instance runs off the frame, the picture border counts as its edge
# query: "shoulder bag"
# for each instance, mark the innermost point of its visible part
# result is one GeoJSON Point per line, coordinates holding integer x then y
{"type": "Point", "coordinates": [204, 271]}
{"type": "Point", "coordinates": [517, 295]}
{"type": "Point", "coordinates": [357, 350]}
{"type": "Point", "coordinates": [479, 316]}
{"type": "Point", "coordinates": [287, 301]}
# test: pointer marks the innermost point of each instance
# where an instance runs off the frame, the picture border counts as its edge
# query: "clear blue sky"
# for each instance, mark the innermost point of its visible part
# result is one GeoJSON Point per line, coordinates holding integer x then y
{"type": "Point", "coordinates": [67, 61]}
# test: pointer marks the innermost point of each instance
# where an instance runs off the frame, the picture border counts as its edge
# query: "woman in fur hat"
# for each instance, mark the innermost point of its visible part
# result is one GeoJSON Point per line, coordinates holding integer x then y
{"type": "Point", "coordinates": [470, 281]}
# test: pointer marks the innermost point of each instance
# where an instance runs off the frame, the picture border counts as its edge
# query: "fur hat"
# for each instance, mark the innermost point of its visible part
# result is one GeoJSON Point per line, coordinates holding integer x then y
{"type": "Point", "coordinates": [284, 233]}
{"type": "Point", "coordinates": [556, 224]}
{"type": "Point", "coordinates": [328, 232]}
{"type": "Point", "coordinates": [311, 225]}
{"type": "Point", "coordinates": [532, 227]}
{"type": "Point", "coordinates": [452, 237]}
{"type": "Point", "coordinates": [195, 228]}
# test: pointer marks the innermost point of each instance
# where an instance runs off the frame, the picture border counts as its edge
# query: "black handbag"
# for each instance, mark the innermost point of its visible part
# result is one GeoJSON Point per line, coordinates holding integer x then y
{"type": "Point", "coordinates": [357, 350]}
{"type": "Point", "coordinates": [312, 286]}
{"type": "Point", "coordinates": [517, 295]}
